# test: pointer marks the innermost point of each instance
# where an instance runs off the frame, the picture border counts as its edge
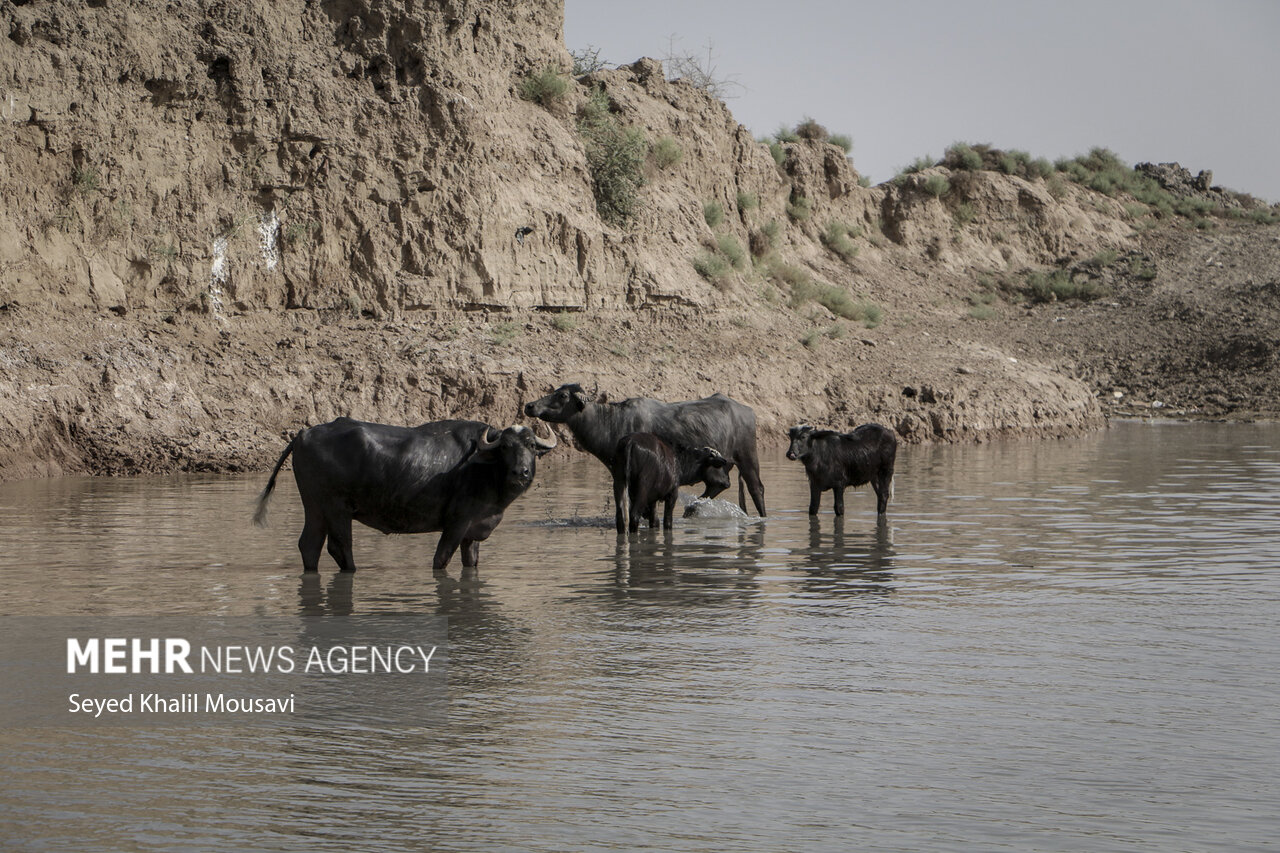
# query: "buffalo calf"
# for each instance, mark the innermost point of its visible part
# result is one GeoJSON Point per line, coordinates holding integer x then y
{"type": "Point", "coordinates": [837, 460]}
{"type": "Point", "coordinates": [650, 470]}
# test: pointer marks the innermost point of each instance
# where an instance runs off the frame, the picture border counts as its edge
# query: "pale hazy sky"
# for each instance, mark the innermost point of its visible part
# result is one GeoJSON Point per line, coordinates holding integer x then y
{"type": "Point", "coordinates": [1153, 80]}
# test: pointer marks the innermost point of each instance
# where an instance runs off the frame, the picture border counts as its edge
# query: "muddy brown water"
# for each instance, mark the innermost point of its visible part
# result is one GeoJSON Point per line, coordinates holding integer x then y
{"type": "Point", "coordinates": [1051, 646]}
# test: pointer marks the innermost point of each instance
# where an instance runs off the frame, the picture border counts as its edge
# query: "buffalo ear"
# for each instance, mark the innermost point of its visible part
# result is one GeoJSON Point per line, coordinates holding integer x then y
{"type": "Point", "coordinates": [715, 460]}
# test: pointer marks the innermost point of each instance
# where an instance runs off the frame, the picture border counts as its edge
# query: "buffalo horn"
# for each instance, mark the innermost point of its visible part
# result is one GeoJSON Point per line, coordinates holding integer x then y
{"type": "Point", "coordinates": [483, 443]}
{"type": "Point", "coordinates": [542, 445]}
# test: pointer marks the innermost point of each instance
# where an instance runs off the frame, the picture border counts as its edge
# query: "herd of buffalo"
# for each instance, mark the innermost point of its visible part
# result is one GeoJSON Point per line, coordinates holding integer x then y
{"type": "Point", "coordinates": [458, 477]}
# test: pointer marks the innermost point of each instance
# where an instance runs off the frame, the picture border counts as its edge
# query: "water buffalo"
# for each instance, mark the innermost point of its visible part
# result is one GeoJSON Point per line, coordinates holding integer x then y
{"type": "Point", "coordinates": [836, 460]}
{"type": "Point", "coordinates": [456, 477]}
{"type": "Point", "coordinates": [714, 421]}
{"type": "Point", "coordinates": [649, 470]}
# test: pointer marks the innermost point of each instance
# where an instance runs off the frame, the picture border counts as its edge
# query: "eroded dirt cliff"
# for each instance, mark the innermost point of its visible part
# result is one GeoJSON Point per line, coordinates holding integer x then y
{"type": "Point", "coordinates": [220, 222]}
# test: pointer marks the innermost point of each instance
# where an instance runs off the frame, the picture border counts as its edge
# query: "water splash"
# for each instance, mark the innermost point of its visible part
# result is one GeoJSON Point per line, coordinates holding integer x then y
{"type": "Point", "coordinates": [713, 508]}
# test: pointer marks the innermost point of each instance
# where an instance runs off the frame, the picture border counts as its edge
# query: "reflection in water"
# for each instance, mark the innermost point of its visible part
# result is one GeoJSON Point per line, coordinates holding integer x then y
{"type": "Point", "coordinates": [316, 597]}
{"type": "Point", "coordinates": [1044, 646]}
{"type": "Point", "coordinates": [852, 565]}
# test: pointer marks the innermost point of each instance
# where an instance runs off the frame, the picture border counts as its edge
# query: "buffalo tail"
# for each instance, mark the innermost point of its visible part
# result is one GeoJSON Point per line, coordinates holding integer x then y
{"type": "Point", "coordinates": [260, 514]}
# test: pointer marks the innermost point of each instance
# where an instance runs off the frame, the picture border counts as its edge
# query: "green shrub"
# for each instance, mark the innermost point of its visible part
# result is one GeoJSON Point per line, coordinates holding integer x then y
{"type": "Point", "coordinates": [713, 213]}
{"type": "Point", "coordinates": [1060, 285]}
{"type": "Point", "coordinates": [937, 185]}
{"type": "Point", "coordinates": [504, 333]}
{"type": "Point", "coordinates": [810, 129]}
{"type": "Point", "coordinates": [864, 181]}
{"type": "Point", "coordinates": [812, 339]}
{"type": "Point", "coordinates": [564, 322]}
{"type": "Point", "coordinates": [1056, 186]}
{"type": "Point", "coordinates": [1040, 168]}
{"type": "Point", "coordinates": [843, 141]}
{"type": "Point", "coordinates": [1105, 258]}
{"type": "Point", "coordinates": [963, 156]}
{"type": "Point", "coordinates": [765, 240]}
{"type": "Point", "coordinates": [835, 299]}
{"type": "Point", "coordinates": [917, 165]}
{"type": "Point", "coordinates": [732, 249]}
{"type": "Point", "coordinates": [615, 159]}
{"type": "Point", "coordinates": [86, 180]}
{"type": "Point", "coordinates": [778, 153]}
{"type": "Point", "coordinates": [1141, 269]}
{"type": "Point", "coordinates": [747, 201]}
{"type": "Point", "coordinates": [982, 312]}
{"type": "Point", "coordinates": [1193, 207]}
{"type": "Point", "coordinates": [545, 87]}
{"type": "Point", "coordinates": [963, 214]}
{"type": "Point", "coordinates": [1263, 216]}
{"type": "Point", "coordinates": [587, 61]}
{"type": "Point", "coordinates": [666, 153]}
{"type": "Point", "coordinates": [300, 232]}
{"type": "Point", "coordinates": [713, 268]}
{"type": "Point", "coordinates": [353, 304]}
{"type": "Point", "coordinates": [785, 134]}
{"type": "Point", "coordinates": [1010, 163]}
{"type": "Point", "coordinates": [596, 108]}
{"type": "Point", "coordinates": [836, 238]}
{"type": "Point", "coordinates": [799, 208]}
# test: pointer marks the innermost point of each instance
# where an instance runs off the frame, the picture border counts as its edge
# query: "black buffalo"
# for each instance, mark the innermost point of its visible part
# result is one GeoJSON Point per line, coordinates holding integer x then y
{"type": "Point", "coordinates": [836, 460]}
{"type": "Point", "coordinates": [456, 477]}
{"type": "Point", "coordinates": [715, 421]}
{"type": "Point", "coordinates": [648, 470]}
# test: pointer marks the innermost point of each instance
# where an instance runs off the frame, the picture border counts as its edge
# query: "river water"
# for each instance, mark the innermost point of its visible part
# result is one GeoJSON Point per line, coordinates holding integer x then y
{"type": "Point", "coordinates": [1048, 646]}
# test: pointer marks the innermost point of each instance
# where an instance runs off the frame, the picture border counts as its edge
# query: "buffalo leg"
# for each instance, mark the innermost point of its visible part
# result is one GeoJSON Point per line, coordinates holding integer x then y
{"type": "Point", "coordinates": [669, 507]}
{"type": "Point", "coordinates": [449, 542]}
{"type": "Point", "coordinates": [619, 487]}
{"type": "Point", "coordinates": [884, 487]}
{"type": "Point", "coordinates": [882, 497]}
{"type": "Point", "coordinates": [340, 544]}
{"type": "Point", "coordinates": [837, 495]}
{"type": "Point", "coordinates": [311, 541]}
{"type": "Point", "coordinates": [815, 497]}
{"type": "Point", "coordinates": [749, 470]}
{"type": "Point", "coordinates": [470, 553]}
{"type": "Point", "coordinates": [651, 514]}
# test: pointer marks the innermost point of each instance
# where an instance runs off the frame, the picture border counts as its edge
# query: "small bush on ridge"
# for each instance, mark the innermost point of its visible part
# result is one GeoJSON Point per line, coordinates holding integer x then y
{"type": "Point", "coordinates": [544, 87]}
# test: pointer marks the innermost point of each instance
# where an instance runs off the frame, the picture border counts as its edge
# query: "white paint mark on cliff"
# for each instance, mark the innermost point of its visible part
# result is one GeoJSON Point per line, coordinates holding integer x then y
{"type": "Point", "coordinates": [268, 239]}
{"type": "Point", "coordinates": [217, 274]}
